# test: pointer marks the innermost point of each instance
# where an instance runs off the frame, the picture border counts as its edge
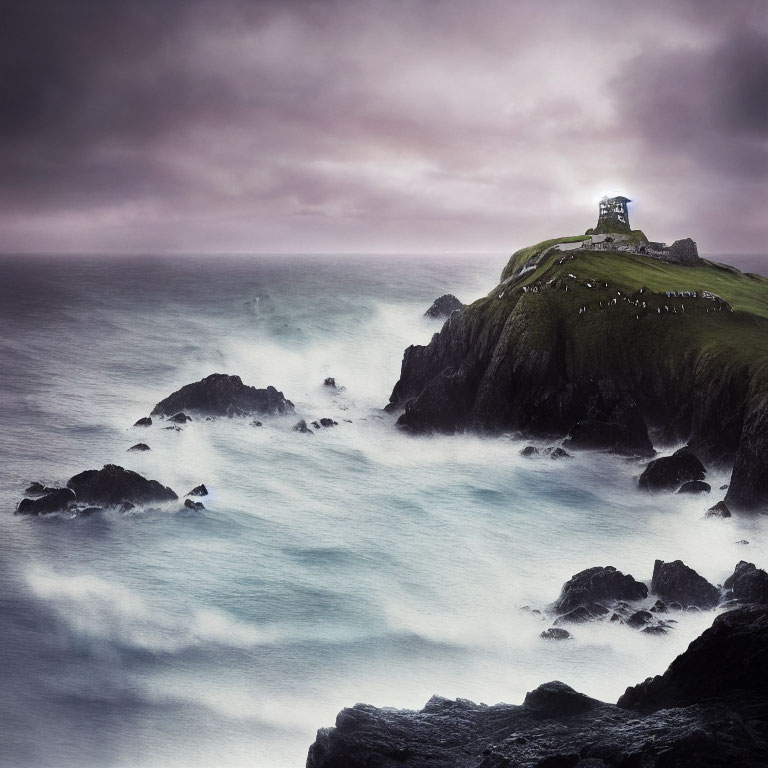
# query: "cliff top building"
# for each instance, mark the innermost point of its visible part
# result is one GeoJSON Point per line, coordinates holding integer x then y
{"type": "Point", "coordinates": [614, 215]}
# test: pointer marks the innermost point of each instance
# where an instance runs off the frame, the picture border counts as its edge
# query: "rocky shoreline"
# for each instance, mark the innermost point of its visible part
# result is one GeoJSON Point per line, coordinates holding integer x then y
{"type": "Point", "coordinates": [710, 708]}
{"type": "Point", "coordinates": [524, 360]}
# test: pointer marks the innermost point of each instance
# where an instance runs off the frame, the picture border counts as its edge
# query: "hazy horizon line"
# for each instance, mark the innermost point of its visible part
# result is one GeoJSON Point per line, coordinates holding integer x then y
{"type": "Point", "coordinates": [293, 254]}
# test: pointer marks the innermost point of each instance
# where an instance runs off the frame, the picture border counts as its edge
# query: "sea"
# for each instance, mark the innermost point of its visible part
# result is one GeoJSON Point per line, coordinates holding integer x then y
{"type": "Point", "coordinates": [354, 564]}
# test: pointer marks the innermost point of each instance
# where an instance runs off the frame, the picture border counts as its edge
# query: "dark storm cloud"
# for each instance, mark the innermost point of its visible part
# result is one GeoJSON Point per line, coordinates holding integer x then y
{"type": "Point", "coordinates": [711, 105]}
{"type": "Point", "coordinates": [372, 125]}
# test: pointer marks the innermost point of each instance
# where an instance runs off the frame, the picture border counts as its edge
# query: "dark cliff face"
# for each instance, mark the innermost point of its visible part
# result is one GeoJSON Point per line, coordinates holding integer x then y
{"type": "Point", "coordinates": [709, 709]}
{"type": "Point", "coordinates": [731, 656]}
{"type": "Point", "coordinates": [531, 362]}
{"type": "Point", "coordinates": [749, 480]}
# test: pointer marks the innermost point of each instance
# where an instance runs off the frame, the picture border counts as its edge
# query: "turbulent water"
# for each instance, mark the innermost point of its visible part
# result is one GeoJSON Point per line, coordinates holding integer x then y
{"type": "Point", "coordinates": [355, 564]}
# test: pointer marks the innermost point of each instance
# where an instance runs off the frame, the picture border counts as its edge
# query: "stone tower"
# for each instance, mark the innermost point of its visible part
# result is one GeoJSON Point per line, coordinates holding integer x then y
{"type": "Point", "coordinates": [614, 216]}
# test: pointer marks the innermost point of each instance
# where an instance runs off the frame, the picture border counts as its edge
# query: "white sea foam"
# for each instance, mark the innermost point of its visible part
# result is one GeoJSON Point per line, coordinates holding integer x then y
{"type": "Point", "coordinates": [355, 564]}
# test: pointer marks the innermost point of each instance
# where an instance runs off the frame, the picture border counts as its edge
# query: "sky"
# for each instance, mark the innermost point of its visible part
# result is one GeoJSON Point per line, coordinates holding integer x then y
{"type": "Point", "coordinates": [435, 126]}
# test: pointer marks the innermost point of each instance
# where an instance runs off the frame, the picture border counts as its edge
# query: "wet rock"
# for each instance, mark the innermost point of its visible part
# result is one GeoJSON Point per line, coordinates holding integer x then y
{"type": "Point", "coordinates": [557, 699]}
{"type": "Point", "coordinates": [325, 423]}
{"type": "Point", "coordinates": [440, 405]}
{"type": "Point", "coordinates": [747, 584]}
{"type": "Point", "coordinates": [145, 421]}
{"type": "Point", "coordinates": [582, 614]}
{"type": "Point", "coordinates": [88, 511]}
{"type": "Point", "coordinates": [719, 510]}
{"type": "Point", "coordinates": [34, 489]}
{"type": "Point", "coordinates": [749, 478]}
{"type": "Point", "coordinates": [621, 431]}
{"type": "Point", "coordinates": [330, 382]}
{"type": "Point", "coordinates": [198, 490]}
{"type": "Point", "coordinates": [139, 448]}
{"type": "Point", "coordinates": [179, 418]}
{"type": "Point", "coordinates": [223, 395]}
{"type": "Point", "coordinates": [112, 485]}
{"type": "Point", "coordinates": [256, 423]}
{"type": "Point", "coordinates": [660, 607]}
{"type": "Point", "coordinates": [556, 633]}
{"type": "Point", "coordinates": [529, 450]}
{"type": "Point", "coordinates": [724, 487]}
{"type": "Point", "coordinates": [301, 426]}
{"type": "Point", "coordinates": [655, 629]}
{"type": "Point", "coordinates": [684, 719]}
{"type": "Point", "coordinates": [729, 656]}
{"type": "Point", "coordinates": [556, 452]}
{"type": "Point", "coordinates": [173, 428]}
{"type": "Point", "coordinates": [189, 504]}
{"type": "Point", "coordinates": [444, 306]}
{"type": "Point", "coordinates": [695, 486]}
{"type": "Point", "coordinates": [676, 581]}
{"type": "Point", "coordinates": [598, 584]}
{"type": "Point", "coordinates": [56, 501]}
{"type": "Point", "coordinates": [741, 541]}
{"type": "Point", "coordinates": [670, 472]}
{"type": "Point", "coordinates": [639, 619]}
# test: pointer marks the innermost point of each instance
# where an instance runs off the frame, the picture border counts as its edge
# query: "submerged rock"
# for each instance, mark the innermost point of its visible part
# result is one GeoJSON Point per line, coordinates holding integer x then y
{"type": "Point", "coordinates": [139, 448]}
{"type": "Point", "coordinates": [582, 614]}
{"type": "Point", "coordinates": [180, 418]}
{"type": "Point", "coordinates": [601, 583]}
{"type": "Point", "coordinates": [325, 423]}
{"type": "Point", "coordinates": [719, 510]}
{"type": "Point", "coordinates": [556, 633]}
{"type": "Point", "coordinates": [695, 486]}
{"type": "Point", "coordinates": [655, 629]}
{"type": "Point", "coordinates": [198, 490]}
{"type": "Point", "coordinates": [223, 395]}
{"type": "Point", "coordinates": [639, 619]}
{"type": "Point", "coordinates": [189, 504]}
{"type": "Point", "coordinates": [748, 584]}
{"type": "Point", "coordinates": [676, 581]}
{"type": "Point", "coordinates": [301, 426]}
{"type": "Point", "coordinates": [112, 485]}
{"type": "Point", "coordinates": [445, 306]}
{"type": "Point", "coordinates": [145, 421]}
{"type": "Point", "coordinates": [529, 450]}
{"type": "Point", "coordinates": [669, 472]}
{"type": "Point", "coordinates": [56, 501]}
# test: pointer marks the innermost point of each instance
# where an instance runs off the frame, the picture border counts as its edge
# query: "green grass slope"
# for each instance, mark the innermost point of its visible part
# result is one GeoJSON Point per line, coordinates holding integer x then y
{"type": "Point", "coordinates": [521, 258]}
{"type": "Point", "coordinates": [632, 316]}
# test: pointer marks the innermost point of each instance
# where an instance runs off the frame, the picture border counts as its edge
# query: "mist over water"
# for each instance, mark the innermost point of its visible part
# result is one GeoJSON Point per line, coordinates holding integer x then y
{"type": "Point", "coordinates": [355, 564]}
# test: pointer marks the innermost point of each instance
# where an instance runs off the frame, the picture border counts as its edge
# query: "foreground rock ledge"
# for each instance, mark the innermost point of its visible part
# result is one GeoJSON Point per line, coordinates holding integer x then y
{"type": "Point", "coordinates": [709, 709]}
